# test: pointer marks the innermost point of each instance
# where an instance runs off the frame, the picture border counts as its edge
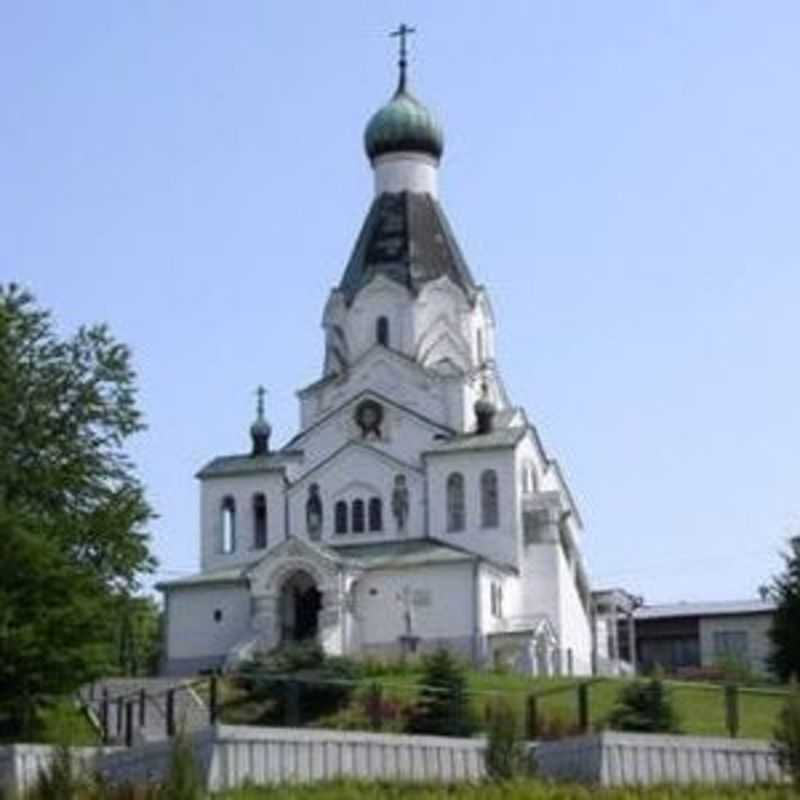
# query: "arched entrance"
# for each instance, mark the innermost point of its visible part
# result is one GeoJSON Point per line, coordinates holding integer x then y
{"type": "Point", "coordinates": [300, 602]}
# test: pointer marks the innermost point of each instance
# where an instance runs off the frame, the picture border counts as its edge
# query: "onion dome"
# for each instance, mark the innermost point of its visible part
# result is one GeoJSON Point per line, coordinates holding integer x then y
{"type": "Point", "coordinates": [403, 125]}
{"type": "Point", "coordinates": [260, 430]}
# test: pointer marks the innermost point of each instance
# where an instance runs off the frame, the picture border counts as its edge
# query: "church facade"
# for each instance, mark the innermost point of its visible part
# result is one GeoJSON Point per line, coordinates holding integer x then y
{"type": "Point", "coordinates": [416, 507]}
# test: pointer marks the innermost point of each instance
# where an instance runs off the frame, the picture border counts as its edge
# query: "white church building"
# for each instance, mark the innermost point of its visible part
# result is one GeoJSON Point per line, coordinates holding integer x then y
{"type": "Point", "coordinates": [416, 506]}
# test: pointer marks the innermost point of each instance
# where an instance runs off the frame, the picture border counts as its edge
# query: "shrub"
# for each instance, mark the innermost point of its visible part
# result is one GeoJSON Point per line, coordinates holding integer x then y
{"type": "Point", "coordinates": [63, 779]}
{"type": "Point", "coordinates": [442, 707]}
{"type": "Point", "coordinates": [786, 740]}
{"type": "Point", "coordinates": [505, 748]}
{"type": "Point", "coordinates": [556, 724]}
{"type": "Point", "coordinates": [646, 707]}
{"type": "Point", "coordinates": [184, 781]}
{"type": "Point", "coordinates": [298, 681]}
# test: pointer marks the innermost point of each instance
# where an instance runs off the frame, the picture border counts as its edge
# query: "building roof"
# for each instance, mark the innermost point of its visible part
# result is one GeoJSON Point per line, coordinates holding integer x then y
{"type": "Point", "coordinates": [402, 553]}
{"type": "Point", "coordinates": [245, 464]}
{"type": "Point", "coordinates": [406, 237]}
{"type": "Point", "coordinates": [232, 574]}
{"type": "Point", "coordinates": [498, 438]}
{"type": "Point", "coordinates": [733, 607]}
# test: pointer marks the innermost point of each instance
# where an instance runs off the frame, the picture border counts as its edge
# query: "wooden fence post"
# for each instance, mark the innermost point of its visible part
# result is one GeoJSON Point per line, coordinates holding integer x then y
{"type": "Point", "coordinates": [584, 720]}
{"type": "Point", "coordinates": [732, 709]}
{"type": "Point", "coordinates": [170, 713]}
{"type": "Point", "coordinates": [104, 716]}
{"type": "Point", "coordinates": [142, 708]}
{"type": "Point", "coordinates": [129, 723]}
{"type": "Point", "coordinates": [532, 717]}
{"type": "Point", "coordinates": [212, 699]}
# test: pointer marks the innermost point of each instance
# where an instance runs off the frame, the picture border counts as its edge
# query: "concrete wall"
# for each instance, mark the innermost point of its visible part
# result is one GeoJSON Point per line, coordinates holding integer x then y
{"type": "Point", "coordinates": [617, 759]}
{"type": "Point", "coordinates": [754, 626]}
{"type": "Point", "coordinates": [442, 609]}
{"type": "Point", "coordinates": [193, 633]}
{"type": "Point", "coordinates": [499, 543]}
{"type": "Point", "coordinates": [21, 764]}
{"type": "Point", "coordinates": [230, 756]}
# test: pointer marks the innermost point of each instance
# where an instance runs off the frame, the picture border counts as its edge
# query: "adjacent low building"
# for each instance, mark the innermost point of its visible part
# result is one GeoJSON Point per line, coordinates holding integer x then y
{"type": "Point", "coordinates": [683, 637]}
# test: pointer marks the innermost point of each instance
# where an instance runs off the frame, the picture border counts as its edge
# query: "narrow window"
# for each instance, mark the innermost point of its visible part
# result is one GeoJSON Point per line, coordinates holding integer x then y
{"type": "Point", "coordinates": [382, 331]}
{"type": "Point", "coordinates": [259, 521]}
{"type": "Point", "coordinates": [455, 502]}
{"type": "Point", "coordinates": [375, 514]}
{"type": "Point", "coordinates": [358, 516]}
{"type": "Point", "coordinates": [479, 345]}
{"type": "Point", "coordinates": [314, 513]}
{"type": "Point", "coordinates": [489, 505]}
{"type": "Point", "coordinates": [340, 513]}
{"type": "Point", "coordinates": [228, 525]}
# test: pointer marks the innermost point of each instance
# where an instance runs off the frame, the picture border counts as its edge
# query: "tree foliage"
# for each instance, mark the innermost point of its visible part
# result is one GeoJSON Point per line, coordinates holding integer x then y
{"type": "Point", "coordinates": [785, 631]}
{"type": "Point", "coordinates": [646, 707]}
{"type": "Point", "coordinates": [443, 707]}
{"type": "Point", "coordinates": [73, 514]}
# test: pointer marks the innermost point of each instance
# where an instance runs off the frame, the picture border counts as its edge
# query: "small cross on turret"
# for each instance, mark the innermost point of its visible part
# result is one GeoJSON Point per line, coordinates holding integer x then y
{"type": "Point", "coordinates": [402, 32]}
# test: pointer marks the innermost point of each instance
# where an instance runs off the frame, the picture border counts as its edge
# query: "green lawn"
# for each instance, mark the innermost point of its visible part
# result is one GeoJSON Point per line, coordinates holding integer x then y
{"type": "Point", "coordinates": [701, 706]}
{"type": "Point", "coordinates": [522, 790]}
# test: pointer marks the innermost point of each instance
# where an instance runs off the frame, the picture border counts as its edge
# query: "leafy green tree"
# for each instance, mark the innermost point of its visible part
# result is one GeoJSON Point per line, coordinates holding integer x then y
{"type": "Point", "coordinates": [785, 631]}
{"type": "Point", "coordinates": [443, 706]}
{"type": "Point", "coordinates": [73, 514]}
{"type": "Point", "coordinates": [646, 707]}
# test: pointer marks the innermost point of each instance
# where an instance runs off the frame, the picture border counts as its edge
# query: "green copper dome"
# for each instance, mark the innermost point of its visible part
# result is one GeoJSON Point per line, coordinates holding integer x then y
{"type": "Point", "coordinates": [403, 124]}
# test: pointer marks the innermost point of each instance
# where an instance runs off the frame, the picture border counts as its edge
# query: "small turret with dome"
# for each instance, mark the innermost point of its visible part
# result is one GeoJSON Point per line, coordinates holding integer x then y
{"type": "Point", "coordinates": [260, 430]}
{"type": "Point", "coordinates": [403, 125]}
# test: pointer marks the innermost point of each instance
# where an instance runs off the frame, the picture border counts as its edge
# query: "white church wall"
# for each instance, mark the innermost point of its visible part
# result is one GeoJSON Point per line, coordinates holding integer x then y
{"type": "Point", "coordinates": [196, 632]}
{"type": "Point", "coordinates": [358, 473]}
{"type": "Point", "coordinates": [404, 435]}
{"type": "Point", "coordinates": [443, 606]}
{"type": "Point", "coordinates": [241, 488]}
{"type": "Point", "coordinates": [498, 543]}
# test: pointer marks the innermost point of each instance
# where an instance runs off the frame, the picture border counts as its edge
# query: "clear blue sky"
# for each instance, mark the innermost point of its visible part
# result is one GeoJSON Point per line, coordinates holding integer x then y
{"type": "Point", "coordinates": [623, 176]}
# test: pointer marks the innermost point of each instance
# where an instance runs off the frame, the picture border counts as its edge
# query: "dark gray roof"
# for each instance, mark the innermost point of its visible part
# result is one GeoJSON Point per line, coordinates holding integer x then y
{"type": "Point", "coordinates": [500, 437]}
{"type": "Point", "coordinates": [247, 465]}
{"type": "Point", "coordinates": [407, 238]}
{"type": "Point", "coordinates": [399, 553]}
{"type": "Point", "coordinates": [720, 609]}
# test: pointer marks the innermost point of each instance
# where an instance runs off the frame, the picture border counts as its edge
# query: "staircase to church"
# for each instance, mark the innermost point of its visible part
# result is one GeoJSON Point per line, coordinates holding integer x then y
{"type": "Point", "coordinates": [109, 702]}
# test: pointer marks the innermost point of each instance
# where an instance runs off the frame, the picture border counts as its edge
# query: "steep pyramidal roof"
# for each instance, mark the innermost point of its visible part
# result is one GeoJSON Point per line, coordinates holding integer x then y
{"type": "Point", "coordinates": [407, 238]}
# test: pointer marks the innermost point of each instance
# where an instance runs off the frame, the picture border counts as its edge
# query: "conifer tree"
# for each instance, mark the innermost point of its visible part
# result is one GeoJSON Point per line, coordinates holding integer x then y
{"type": "Point", "coordinates": [785, 631]}
{"type": "Point", "coordinates": [443, 707]}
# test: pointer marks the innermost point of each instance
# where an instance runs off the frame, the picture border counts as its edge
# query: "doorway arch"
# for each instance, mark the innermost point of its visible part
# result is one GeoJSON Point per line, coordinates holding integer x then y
{"type": "Point", "coordinates": [299, 603]}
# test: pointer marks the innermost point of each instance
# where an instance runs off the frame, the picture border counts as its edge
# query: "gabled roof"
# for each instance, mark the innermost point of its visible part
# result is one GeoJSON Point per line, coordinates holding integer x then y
{"type": "Point", "coordinates": [496, 439]}
{"type": "Point", "coordinates": [402, 553]}
{"type": "Point", "coordinates": [355, 398]}
{"type": "Point", "coordinates": [407, 238]}
{"type": "Point", "coordinates": [244, 464]}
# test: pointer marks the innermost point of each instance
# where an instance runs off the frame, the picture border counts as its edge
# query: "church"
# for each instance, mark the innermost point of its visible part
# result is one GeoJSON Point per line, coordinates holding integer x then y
{"type": "Point", "coordinates": [416, 506]}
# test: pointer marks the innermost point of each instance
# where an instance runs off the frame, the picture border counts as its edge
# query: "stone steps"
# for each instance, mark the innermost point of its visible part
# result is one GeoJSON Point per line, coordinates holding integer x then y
{"type": "Point", "coordinates": [191, 713]}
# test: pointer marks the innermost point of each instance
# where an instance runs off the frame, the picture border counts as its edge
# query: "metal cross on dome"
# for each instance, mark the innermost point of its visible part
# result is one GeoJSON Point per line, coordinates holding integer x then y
{"type": "Point", "coordinates": [260, 392]}
{"type": "Point", "coordinates": [402, 32]}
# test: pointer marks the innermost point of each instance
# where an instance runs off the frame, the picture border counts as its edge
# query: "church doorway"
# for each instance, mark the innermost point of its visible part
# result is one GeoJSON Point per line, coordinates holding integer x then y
{"type": "Point", "coordinates": [300, 603]}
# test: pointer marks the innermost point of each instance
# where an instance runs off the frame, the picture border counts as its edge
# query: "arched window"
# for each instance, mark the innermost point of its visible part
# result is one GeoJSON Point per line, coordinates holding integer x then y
{"type": "Point", "coordinates": [479, 346]}
{"type": "Point", "coordinates": [455, 502]}
{"type": "Point", "coordinates": [228, 510]}
{"type": "Point", "coordinates": [375, 514]}
{"type": "Point", "coordinates": [382, 331]}
{"type": "Point", "coordinates": [358, 516]}
{"type": "Point", "coordinates": [490, 511]}
{"type": "Point", "coordinates": [259, 521]}
{"type": "Point", "coordinates": [314, 513]}
{"type": "Point", "coordinates": [340, 514]}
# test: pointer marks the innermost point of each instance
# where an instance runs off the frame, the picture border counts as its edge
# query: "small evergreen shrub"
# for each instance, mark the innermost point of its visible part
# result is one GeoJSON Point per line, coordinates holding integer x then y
{"type": "Point", "coordinates": [298, 682]}
{"type": "Point", "coordinates": [443, 707]}
{"type": "Point", "coordinates": [645, 707]}
{"type": "Point", "coordinates": [505, 747]}
{"type": "Point", "coordinates": [786, 741]}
